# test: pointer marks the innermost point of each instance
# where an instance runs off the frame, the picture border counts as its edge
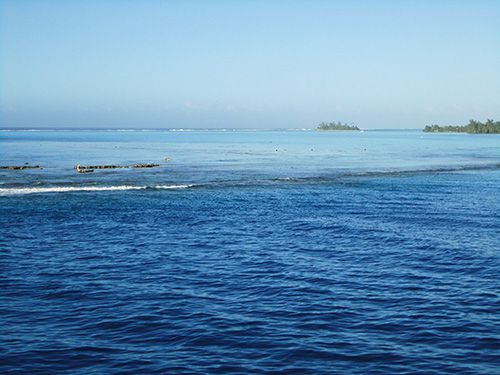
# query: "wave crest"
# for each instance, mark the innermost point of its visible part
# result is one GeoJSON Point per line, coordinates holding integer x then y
{"type": "Point", "coordinates": [67, 189]}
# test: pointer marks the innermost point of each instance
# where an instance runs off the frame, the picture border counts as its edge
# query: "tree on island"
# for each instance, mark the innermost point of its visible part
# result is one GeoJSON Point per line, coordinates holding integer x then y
{"type": "Point", "coordinates": [335, 126]}
{"type": "Point", "coordinates": [473, 127]}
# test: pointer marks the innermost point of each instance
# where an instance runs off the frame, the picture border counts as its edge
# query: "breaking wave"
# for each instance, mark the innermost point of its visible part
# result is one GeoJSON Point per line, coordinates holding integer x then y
{"type": "Point", "coordinates": [66, 189]}
{"type": "Point", "coordinates": [334, 177]}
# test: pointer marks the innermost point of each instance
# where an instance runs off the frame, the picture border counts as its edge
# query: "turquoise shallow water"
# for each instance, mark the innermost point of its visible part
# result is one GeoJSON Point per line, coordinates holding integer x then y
{"type": "Point", "coordinates": [250, 252]}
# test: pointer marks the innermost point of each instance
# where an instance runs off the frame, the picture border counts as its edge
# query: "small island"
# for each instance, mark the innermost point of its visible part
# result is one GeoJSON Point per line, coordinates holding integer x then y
{"type": "Point", "coordinates": [327, 126]}
{"type": "Point", "coordinates": [473, 127]}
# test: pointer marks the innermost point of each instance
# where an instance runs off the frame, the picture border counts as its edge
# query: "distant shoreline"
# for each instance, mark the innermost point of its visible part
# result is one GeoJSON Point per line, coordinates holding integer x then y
{"type": "Point", "coordinates": [473, 127]}
{"type": "Point", "coordinates": [336, 126]}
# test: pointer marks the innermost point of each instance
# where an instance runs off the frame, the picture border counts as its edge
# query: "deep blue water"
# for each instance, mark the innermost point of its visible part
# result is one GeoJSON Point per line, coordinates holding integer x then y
{"type": "Point", "coordinates": [268, 252]}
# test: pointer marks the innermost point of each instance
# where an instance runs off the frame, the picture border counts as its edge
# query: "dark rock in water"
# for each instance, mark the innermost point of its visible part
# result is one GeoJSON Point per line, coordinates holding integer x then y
{"type": "Point", "coordinates": [20, 167]}
{"type": "Point", "coordinates": [100, 166]}
{"type": "Point", "coordinates": [90, 168]}
{"type": "Point", "coordinates": [145, 165]}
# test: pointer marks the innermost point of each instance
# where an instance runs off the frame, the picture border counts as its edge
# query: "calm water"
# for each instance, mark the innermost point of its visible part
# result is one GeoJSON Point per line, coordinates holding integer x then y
{"type": "Point", "coordinates": [250, 252]}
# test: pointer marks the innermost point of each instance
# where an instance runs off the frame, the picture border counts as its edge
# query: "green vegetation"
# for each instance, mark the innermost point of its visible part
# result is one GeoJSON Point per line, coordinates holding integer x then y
{"type": "Point", "coordinates": [325, 126]}
{"type": "Point", "coordinates": [473, 127]}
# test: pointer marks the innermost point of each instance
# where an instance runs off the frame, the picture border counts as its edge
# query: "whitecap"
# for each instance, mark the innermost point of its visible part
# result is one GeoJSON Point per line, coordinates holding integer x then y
{"type": "Point", "coordinates": [69, 189]}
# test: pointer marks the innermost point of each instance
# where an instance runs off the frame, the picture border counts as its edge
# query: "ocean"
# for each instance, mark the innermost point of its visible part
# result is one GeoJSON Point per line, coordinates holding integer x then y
{"type": "Point", "coordinates": [248, 252]}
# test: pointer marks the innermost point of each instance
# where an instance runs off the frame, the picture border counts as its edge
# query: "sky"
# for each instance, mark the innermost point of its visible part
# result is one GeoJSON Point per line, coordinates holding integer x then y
{"type": "Point", "coordinates": [248, 64]}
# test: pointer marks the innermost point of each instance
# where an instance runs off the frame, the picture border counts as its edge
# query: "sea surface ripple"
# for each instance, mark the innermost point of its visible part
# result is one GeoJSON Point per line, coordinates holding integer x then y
{"type": "Point", "coordinates": [378, 274]}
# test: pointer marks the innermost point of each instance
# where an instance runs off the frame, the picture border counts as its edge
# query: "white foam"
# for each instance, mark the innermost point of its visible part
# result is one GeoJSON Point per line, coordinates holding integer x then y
{"type": "Point", "coordinates": [66, 189]}
{"type": "Point", "coordinates": [173, 186]}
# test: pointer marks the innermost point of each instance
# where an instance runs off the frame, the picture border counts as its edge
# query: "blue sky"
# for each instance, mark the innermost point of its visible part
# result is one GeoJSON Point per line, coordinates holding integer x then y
{"type": "Point", "coordinates": [251, 64]}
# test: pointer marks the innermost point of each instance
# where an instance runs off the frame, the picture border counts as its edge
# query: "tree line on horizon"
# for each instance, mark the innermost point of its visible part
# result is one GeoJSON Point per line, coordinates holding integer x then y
{"type": "Point", "coordinates": [473, 127]}
{"type": "Point", "coordinates": [336, 126]}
